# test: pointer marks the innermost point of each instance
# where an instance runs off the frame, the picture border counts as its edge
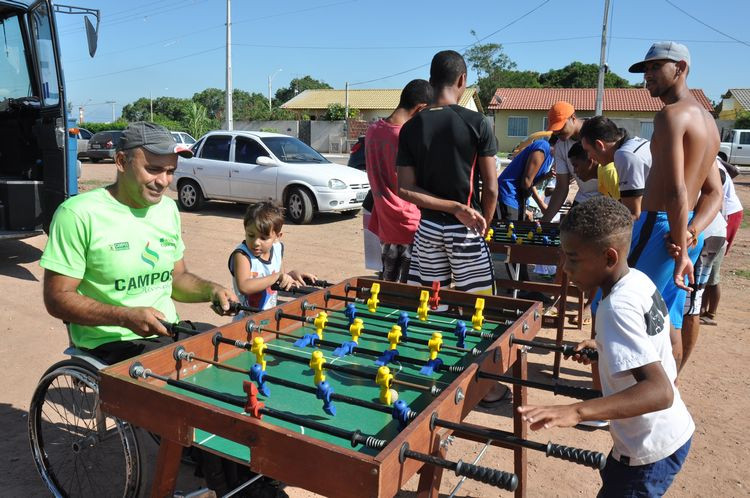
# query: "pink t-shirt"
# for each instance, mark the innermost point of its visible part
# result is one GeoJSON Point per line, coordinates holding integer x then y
{"type": "Point", "coordinates": [393, 219]}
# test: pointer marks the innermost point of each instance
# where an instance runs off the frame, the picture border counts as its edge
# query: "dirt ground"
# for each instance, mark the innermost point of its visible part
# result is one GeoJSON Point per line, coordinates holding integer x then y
{"type": "Point", "coordinates": [715, 384]}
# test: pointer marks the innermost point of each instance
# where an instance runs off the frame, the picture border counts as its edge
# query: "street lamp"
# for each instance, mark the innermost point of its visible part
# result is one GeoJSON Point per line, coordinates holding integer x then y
{"type": "Point", "coordinates": [270, 79]}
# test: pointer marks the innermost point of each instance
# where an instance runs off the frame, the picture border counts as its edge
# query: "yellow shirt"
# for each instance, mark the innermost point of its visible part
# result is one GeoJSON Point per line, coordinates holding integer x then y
{"type": "Point", "coordinates": [608, 182]}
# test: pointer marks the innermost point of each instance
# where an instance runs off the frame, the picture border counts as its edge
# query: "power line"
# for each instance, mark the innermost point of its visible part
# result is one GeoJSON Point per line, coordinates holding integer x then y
{"type": "Point", "coordinates": [464, 48]}
{"type": "Point", "coordinates": [707, 25]}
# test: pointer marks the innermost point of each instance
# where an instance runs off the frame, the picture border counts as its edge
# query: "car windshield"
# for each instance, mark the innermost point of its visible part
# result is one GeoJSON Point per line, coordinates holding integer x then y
{"type": "Point", "coordinates": [188, 139]}
{"type": "Point", "coordinates": [15, 80]}
{"type": "Point", "coordinates": [291, 150]}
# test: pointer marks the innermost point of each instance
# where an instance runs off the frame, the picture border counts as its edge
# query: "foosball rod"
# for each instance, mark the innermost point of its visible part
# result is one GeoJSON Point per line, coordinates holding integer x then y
{"type": "Point", "coordinates": [413, 322]}
{"type": "Point", "coordinates": [181, 354]}
{"type": "Point", "coordinates": [219, 339]}
{"type": "Point", "coordinates": [484, 335]}
{"type": "Point", "coordinates": [377, 333]}
{"type": "Point", "coordinates": [503, 480]}
{"type": "Point", "coordinates": [565, 349]}
{"type": "Point", "coordinates": [137, 370]}
{"type": "Point", "coordinates": [593, 459]}
{"type": "Point", "coordinates": [323, 342]}
{"type": "Point", "coordinates": [366, 290]}
{"type": "Point", "coordinates": [583, 393]}
{"type": "Point", "coordinates": [175, 329]}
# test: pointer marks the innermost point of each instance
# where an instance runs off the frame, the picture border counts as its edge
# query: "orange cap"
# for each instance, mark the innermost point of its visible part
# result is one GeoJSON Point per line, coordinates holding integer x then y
{"type": "Point", "coordinates": [558, 114]}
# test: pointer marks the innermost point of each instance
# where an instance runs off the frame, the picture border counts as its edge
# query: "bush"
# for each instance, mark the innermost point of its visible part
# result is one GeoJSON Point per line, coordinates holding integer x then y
{"type": "Point", "coordinates": [743, 120]}
{"type": "Point", "coordinates": [94, 127]}
{"type": "Point", "coordinates": [337, 112]}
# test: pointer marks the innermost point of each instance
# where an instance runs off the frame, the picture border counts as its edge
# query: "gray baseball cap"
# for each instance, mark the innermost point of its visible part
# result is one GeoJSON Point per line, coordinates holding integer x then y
{"type": "Point", "coordinates": [152, 137]}
{"type": "Point", "coordinates": [669, 50]}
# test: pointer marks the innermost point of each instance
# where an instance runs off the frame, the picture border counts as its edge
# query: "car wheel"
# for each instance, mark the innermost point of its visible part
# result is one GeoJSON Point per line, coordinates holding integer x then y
{"type": "Point", "coordinates": [299, 206]}
{"type": "Point", "coordinates": [189, 196]}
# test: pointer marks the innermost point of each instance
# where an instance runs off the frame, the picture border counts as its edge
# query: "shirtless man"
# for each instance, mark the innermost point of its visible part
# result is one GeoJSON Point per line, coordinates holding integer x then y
{"type": "Point", "coordinates": [684, 145]}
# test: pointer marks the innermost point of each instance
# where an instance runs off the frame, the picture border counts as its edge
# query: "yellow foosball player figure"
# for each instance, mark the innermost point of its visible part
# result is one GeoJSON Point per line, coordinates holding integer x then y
{"type": "Point", "coordinates": [384, 379]}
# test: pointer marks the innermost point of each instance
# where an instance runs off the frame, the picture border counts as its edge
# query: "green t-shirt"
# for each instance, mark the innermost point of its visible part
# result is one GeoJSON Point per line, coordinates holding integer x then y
{"type": "Point", "coordinates": [123, 257]}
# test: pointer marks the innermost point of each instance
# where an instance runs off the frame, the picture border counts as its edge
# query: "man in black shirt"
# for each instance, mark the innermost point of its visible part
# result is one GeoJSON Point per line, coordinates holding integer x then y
{"type": "Point", "coordinates": [443, 152]}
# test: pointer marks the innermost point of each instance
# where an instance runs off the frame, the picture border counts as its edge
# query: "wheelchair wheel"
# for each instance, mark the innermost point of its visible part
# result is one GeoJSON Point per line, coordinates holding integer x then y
{"type": "Point", "coordinates": [77, 449]}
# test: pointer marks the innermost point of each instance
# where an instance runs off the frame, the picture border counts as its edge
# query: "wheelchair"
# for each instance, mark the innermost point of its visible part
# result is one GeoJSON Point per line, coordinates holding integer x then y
{"type": "Point", "coordinates": [79, 450]}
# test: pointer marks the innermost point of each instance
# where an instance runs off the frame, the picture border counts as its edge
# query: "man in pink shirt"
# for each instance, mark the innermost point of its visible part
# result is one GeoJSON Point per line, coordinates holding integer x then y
{"type": "Point", "coordinates": [393, 220]}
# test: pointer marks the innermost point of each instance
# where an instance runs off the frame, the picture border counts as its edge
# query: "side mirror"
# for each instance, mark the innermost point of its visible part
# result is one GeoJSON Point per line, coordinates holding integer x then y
{"type": "Point", "coordinates": [265, 161]}
{"type": "Point", "coordinates": [92, 34]}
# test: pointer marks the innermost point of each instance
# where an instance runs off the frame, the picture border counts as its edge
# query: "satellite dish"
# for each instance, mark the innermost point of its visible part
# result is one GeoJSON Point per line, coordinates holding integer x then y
{"type": "Point", "coordinates": [91, 35]}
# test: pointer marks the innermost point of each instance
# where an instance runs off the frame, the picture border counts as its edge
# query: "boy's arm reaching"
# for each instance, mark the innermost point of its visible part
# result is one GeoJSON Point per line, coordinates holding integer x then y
{"type": "Point", "coordinates": [651, 392]}
{"type": "Point", "coordinates": [246, 283]}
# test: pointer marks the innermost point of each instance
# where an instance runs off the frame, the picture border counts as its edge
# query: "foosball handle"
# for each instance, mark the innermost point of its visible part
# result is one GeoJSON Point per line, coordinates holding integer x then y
{"type": "Point", "coordinates": [499, 478]}
{"type": "Point", "coordinates": [578, 392]}
{"type": "Point", "coordinates": [591, 353]}
{"type": "Point", "coordinates": [593, 459]}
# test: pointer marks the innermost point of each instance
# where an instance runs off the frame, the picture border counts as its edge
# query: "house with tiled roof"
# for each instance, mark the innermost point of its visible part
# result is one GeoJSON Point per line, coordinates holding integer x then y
{"type": "Point", "coordinates": [734, 101]}
{"type": "Point", "coordinates": [371, 103]}
{"type": "Point", "coordinates": [519, 112]}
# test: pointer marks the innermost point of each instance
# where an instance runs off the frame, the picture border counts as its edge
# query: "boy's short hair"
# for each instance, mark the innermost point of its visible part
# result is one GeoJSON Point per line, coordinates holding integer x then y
{"type": "Point", "coordinates": [577, 152]}
{"type": "Point", "coordinates": [266, 216]}
{"type": "Point", "coordinates": [601, 128]}
{"type": "Point", "coordinates": [414, 93]}
{"type": "Point", "coordinates": [600, 220]}
{"type": "Point", "coordinates": [445, 68]}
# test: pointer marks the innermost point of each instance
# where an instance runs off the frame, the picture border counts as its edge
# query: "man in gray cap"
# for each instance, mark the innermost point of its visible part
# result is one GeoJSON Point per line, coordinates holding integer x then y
{"type": "Point", "coordinates": [114, 259]}
{"type": "Point", "coordinates": [684, 145]}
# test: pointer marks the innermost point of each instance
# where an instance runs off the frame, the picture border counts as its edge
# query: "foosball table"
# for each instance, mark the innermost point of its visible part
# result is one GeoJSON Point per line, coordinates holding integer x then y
{"type": "Point", "coordinates": [538, 243]}
{"type": "Point", "coordinates": [345, 391]}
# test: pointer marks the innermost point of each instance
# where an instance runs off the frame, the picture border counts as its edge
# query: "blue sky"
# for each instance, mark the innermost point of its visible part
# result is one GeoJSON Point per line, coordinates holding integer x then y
{"type": "Point", "coordinates": [176, 47]}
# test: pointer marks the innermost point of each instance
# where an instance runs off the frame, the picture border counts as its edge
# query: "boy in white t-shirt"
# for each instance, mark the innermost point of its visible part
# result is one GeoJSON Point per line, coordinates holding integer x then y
{"type": "Point", "coordinates": [256, 263]}
{"type": "Point", "coordinates": [650, 425]}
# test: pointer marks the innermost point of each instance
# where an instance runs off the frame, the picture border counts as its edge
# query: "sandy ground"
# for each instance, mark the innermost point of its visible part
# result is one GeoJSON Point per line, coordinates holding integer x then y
{"type": "Point", "coordinates": [714, 385]}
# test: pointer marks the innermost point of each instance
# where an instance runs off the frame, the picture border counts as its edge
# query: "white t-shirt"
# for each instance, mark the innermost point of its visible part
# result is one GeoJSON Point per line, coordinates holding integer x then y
{"type": "Point", "coordinates": [633, 162]}
{"type": "Point", "coordinates": [587, 189]}
{"type": "Point", "coordinates": [265, 299]}
{"type": "Point", "coordinates": [731, 203]}
{"type": "Point", "coordinates": [632, 330]}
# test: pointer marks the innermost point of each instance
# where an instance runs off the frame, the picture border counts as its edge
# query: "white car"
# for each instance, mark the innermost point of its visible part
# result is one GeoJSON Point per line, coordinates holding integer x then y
{"type": "Point", "coordinates": [246, 166]}
{"type": "Point", "coordinates": [183, 138]}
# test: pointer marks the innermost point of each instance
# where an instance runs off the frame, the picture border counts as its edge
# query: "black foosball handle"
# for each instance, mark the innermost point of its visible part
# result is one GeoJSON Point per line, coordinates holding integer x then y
{"type": "Point", "coordinates": [501, 479]}
{"type": "Point", "coordinates": [593, 459]}
{"type": "Point", "coordinates": [591, 353]}
{"type": "Point", "coordinates": [577, 392]}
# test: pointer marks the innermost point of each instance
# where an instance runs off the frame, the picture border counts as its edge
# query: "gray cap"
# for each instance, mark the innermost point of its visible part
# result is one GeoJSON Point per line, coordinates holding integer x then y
{"type": "Point", "coordinates": [152, 137]}
{"type": "Point", "coordinates": [669, 50]}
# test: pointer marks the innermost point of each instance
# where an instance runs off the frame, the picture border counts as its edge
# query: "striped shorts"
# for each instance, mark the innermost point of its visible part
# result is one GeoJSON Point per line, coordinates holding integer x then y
{"type": "Point", "coordinates": [450, 252]}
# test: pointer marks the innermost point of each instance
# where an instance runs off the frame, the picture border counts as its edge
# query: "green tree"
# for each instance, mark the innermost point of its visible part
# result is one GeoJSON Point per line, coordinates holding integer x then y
{"type": "Point", "coordinates": [500, 78]}
{"type": "Point", "coordinates": [169, 108]}
{"type": "Point", "coordinates": [486, 58]}
{"type": "Point", "coordinates": [198, 122]}
{"type": "Point", "coordinates": [299, 85]}
{"type": "Point", "coordinates": [212, 99]}
{"type": "Point", "coordinates": [337, 112]}
{"type": "Point", "coordinates": [580, 75]}
{"type": "Point", "coordinates": [743, 120]}
{"type": "Point", "coordinates": [138, 110]}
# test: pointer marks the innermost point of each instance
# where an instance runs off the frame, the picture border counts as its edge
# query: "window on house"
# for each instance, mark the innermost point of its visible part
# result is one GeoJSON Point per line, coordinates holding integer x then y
{"type": "Point", "coordinates": [647, 129]}
{"type": "Point", "coordinates": [544, 123]}
{"type": "Point", "coordinates": [518, 126]}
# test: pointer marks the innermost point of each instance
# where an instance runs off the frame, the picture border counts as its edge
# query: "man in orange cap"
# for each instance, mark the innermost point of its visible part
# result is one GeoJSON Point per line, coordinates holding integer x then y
{"type": "Point", "coordinates": [563, 123]}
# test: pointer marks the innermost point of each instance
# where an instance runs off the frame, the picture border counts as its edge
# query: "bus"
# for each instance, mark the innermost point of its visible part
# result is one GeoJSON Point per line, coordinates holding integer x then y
{"type": "Point", "coordinates": [38, 164]}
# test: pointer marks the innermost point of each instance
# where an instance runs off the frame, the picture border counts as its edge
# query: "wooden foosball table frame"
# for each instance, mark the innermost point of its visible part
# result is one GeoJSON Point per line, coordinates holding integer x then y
{"type": "Point", "coordinates": [301, 460]}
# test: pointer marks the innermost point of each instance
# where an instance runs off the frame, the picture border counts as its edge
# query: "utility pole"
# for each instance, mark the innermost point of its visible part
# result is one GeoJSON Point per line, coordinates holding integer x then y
{"type": "Point", "coordinates": [151, 104]}
{"type": "Point", "coordinates": [602, 63]}
{"type": "Point", "coordinates": [80, 114]}
{"type": "Point", "coordinates": [113, 109]}
{"type": "Point", "coordinates": [229, 119]}
{"type": "Point", "coordinates": [270, 79]}
{"type": "Point", "coordinates": [346, 112]}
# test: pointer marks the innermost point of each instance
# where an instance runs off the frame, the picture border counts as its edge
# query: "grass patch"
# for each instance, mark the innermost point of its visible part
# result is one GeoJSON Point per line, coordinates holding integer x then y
{"type": "Point", "coordinates": [85, 185]}
{"type": "Point", "coordinates": [745, 218]}
{"type": "Point", "coordinates": [742, 273]}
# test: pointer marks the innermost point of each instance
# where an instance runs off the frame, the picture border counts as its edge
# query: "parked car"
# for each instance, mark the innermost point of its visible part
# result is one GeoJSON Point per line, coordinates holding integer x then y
{"type": "Point", "coordinates": [246, 166]}
{"type": "Point", "coordinates": [357, 154]}
{"type": "Point", "coordinates": [183, 138]}
{"type": "Point", "coordinates": [735, 148]}
{"type": "Point", "coordinates": [82, 136]}
{"type": "Point", "coordinates": [102, 145]}
{"type": "Point", "coordinates": [526, 141]}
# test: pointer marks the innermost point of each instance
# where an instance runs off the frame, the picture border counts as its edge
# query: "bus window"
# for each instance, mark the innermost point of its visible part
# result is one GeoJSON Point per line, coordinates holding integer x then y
{"type": "Point", "coordinates": [14, 72]}
{"type": "Point", "coordinates": [42, 32]}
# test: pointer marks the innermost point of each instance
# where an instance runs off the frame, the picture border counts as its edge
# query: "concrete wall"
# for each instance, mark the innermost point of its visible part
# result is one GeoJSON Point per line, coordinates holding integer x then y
{"type": "Point", "coordinates": [323, 132]}
{"type": "Point", "coordinates": [285, 127]}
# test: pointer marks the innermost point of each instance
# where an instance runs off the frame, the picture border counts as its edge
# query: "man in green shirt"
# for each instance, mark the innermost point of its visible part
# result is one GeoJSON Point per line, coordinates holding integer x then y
{"type": "Point", "coordinates": [114, 259]}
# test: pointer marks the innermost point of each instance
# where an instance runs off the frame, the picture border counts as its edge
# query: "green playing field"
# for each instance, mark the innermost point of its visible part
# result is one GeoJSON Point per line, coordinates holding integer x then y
{"type": "Point", "coordinates": [349, 417]}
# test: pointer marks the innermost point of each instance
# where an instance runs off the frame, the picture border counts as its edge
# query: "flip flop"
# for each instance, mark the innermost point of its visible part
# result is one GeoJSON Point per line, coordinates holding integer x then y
{"type": "Point", "coordinates": [496, 403]}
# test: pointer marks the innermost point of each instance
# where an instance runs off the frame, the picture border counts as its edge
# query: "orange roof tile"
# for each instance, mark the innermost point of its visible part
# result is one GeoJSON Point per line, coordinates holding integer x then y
{"type": "Point", "coordinates": [584, 99]}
